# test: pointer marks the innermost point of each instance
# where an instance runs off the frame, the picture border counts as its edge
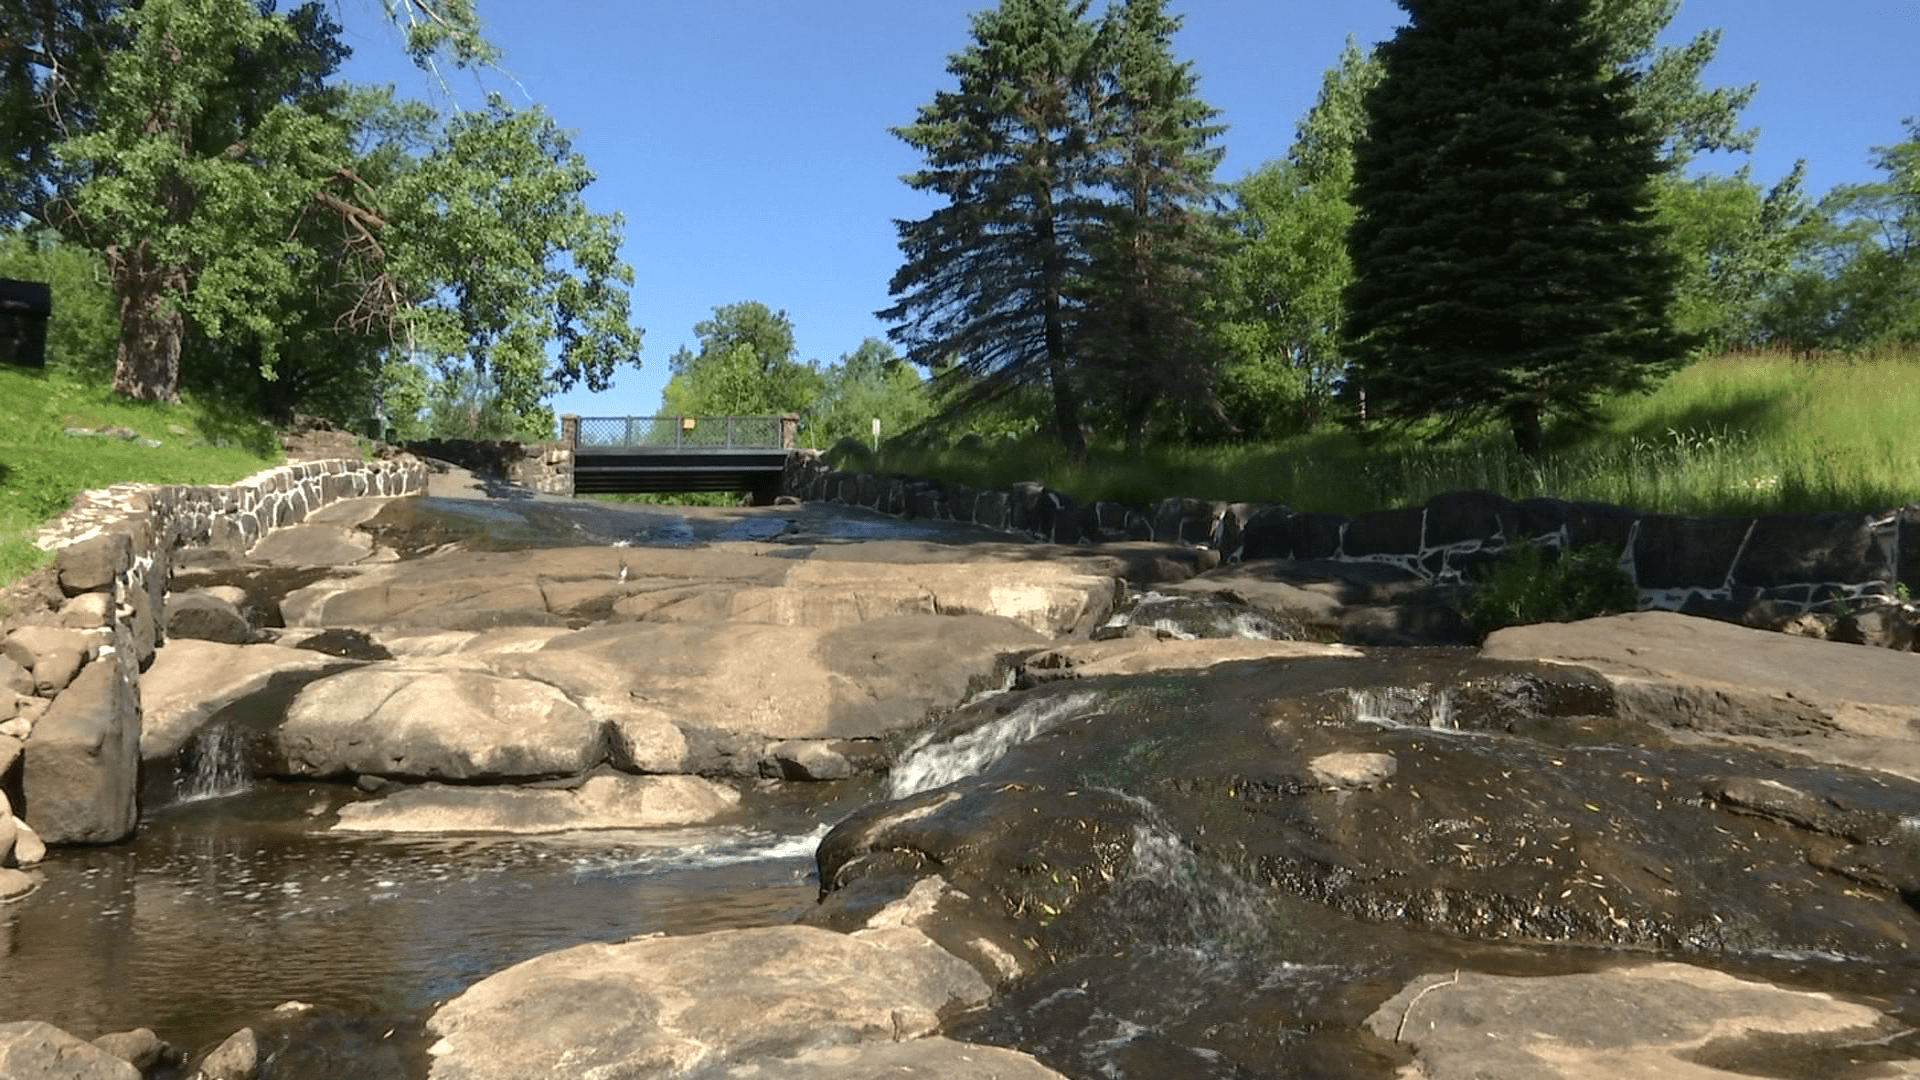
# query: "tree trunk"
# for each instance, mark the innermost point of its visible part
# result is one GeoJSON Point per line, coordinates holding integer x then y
{"type": "Point", "coordinates": [147, 365]}
{"type": "Point", "coordinates": [1524, 418]}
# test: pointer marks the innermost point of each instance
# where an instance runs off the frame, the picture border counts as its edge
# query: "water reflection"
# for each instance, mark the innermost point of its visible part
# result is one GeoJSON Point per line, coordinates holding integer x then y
{"type": "Point", "coordinates": [222, 909]}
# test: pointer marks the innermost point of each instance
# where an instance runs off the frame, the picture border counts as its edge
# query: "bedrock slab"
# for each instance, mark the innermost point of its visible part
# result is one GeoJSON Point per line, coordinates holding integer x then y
{"type": "Point", "coordinates": [680, 1006]}
{"type": "Point", "coordinates": [191, 680]}
{"type": "Point", "coordinates": [1667, 1020]}
{"type": "Point", "coordinates": [1835, 703]}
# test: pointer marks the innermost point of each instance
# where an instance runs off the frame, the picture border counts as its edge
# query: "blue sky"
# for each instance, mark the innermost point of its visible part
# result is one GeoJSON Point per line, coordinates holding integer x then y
{"type": "Point", "coordinates": [746, 141]}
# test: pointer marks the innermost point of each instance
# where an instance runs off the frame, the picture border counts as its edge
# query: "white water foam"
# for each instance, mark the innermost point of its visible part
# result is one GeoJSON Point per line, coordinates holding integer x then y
{"type": "Point", "coordinates": [219, 765]}
{"type": "Point", "coordinates": [1404, 706]}
{"type": "Point", "coordinates": [933, 765]}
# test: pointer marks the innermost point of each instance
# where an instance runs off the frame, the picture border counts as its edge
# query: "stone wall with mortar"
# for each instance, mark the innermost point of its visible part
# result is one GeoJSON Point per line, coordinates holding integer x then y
{"type": "Point", "coordinates": [544, 467]}
{"type": "Point", "coordinates": [69, 680]}
{"type": "Point", "coordinates": [1724, 566]}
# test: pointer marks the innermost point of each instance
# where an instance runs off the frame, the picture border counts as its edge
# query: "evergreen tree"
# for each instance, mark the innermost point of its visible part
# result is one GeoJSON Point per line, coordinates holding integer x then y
{"type": "Point", "coordinates": [990, 279]}
{"type": "Point", "coordinates": [1145, 342]}
{"type": "Point", "coordinates": [1505, 259]}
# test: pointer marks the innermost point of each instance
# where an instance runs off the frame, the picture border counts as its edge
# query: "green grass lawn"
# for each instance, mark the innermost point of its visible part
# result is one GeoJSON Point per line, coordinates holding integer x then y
{"type": "Point", "coordinates": [1729, 435]}
{"type": "Point", "coordinates": [42, 467]}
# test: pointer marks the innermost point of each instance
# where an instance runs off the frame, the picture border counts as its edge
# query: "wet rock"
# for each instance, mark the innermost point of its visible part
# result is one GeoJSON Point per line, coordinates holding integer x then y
{"type": "Point", "coordinates": [1828, 701]}
{"type": "Point", "coordinates": [1668, 1020]}
{"type": "Point", "coordinates": [1361, 603]}
{"type": "Point", "coordinates": [140, 1047]}
{"type": "Point", "coordinates": [190, 681]}
{"type": "Point", "coordinates": [82, 765]}
{"type": "Point", "coordinates": [411, 720]}
{"type": "Point", "coordinates": [1138, 656]}
{"type": "Point", "coordinates": [671, 1006]}
{"type": "Point", "coordinates": [944, 1058]}
{"type": "Point", "coordinates": [809, 759]}
{"type": "Point", "coordinates": [8, 830]}
{"type": "Point", "coordinates": [601, 802]}
{"type": "Point", "coordinates": [313, 544]}
{"type": "Point", "coordinates": [238, 1058]}
{"type": "Point", "coordinates": [31, 1050]}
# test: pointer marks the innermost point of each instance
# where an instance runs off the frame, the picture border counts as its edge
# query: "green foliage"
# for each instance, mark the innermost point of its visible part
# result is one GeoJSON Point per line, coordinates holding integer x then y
{"type": "Point", "coordinates": [42, 467]}
{"type": "Point", "coordinates": [1531, 583]}
{"type": "Point", "coordinates": [1736, 245]}
{"type": "Point", "coordinates": [869, 383]}
{"type": "Point", "coordinates": [1504, 262]}
{"type": "Point", "coordinates": [746, 366]}
{"type": "Point", "coordinates": [84, 325]}
{"type": "Point", "coordinates": [499, 257]}
{"type": "Point", "coordinates": [1742, 434]}
{"type": "Point", "coordinates": [1858, 281]}
{"type": "Point", "coordinates": [1278, 295]}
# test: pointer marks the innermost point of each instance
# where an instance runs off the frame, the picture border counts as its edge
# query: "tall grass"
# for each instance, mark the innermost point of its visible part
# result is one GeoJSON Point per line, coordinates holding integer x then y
{"type": "Point", "coordinates": [42, 467]}
{"type": "Point", "coordinates": [1737, 434]}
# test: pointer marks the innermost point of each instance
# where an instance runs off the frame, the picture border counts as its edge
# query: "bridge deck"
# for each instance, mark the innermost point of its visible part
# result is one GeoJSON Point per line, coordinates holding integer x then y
{"type": "Point", "coordinates": [674, 454]}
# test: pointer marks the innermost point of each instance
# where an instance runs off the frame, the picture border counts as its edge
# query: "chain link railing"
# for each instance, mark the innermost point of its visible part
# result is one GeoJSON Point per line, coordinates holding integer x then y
{"type": "Point", "coordinates": [682, 432]}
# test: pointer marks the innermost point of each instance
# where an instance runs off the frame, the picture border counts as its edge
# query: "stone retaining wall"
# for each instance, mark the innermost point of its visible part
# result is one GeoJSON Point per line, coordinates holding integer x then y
{"type": "Point", "coordinates": [69, 681]}
{"type": "Point", "coordinates": [1708, 565]}
{"type": "Point", "coordinates": [544, 467]}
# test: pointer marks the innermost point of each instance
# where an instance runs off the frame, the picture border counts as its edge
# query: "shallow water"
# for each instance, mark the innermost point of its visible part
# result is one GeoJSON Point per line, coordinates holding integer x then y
{"type": "Point", "coordinates": [223, 908]}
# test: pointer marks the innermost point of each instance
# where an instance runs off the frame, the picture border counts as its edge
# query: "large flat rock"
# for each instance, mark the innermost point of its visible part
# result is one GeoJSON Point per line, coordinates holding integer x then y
{"type": "Point", "coordinates": [600, 802]}
{"type": "Point", "coordinates": [570, 586]}
{"type": "Point", "coordinates": [1838, 703]}
{"type": "Point", "coordinates": [436, 722]}
{"type": "Point", "coordinates": [1666, 1020]}
{"type": "Point", "coordinates": [673, 1006]}
{"type": "Point", "coordinates": [83, 762]}
{"type": "Point", "coordinates": [191, 680]}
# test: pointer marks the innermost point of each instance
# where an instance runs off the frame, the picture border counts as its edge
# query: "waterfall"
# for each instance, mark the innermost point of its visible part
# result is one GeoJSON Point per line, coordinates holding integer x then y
{"type": "Point", "coordinates": [936, 764]}
{"type": "Point", "coordinates": [1404, 706]}
{"type": "Point", "coordinates": [212, 764]}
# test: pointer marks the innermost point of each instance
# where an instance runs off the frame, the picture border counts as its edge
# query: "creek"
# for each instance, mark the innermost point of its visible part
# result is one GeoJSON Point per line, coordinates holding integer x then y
{"type": "Point", "coordinates": [1200, 910]}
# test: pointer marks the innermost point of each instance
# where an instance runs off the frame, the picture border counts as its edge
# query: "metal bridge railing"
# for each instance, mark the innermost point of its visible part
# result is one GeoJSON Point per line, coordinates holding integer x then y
{"type": "Point", "coordinates": [684, 432]}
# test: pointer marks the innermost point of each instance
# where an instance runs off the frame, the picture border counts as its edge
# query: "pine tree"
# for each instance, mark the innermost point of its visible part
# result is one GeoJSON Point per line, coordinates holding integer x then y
{"type": "Point", "coordinates": [1506, 264]}
{"type": "Point", "coordinates": [990, 278]}
{"type": "Point", "coordinates": [1145, 342]}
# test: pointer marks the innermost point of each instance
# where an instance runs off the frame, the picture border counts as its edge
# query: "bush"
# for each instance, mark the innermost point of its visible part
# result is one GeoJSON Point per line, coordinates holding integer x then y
{"type": "Point", "coordinates": [1532, 583]}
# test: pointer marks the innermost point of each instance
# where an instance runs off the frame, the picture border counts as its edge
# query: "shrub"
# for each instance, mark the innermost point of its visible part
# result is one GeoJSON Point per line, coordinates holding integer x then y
{"type": "Point", "coordinates": [1532, 583]}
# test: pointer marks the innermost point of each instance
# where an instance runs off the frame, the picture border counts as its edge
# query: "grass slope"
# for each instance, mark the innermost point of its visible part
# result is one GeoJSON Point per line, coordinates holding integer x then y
{"type": "Point", "coordinates": [1739, 434]}
{"type": "Point", "coordinates": [42, 466]}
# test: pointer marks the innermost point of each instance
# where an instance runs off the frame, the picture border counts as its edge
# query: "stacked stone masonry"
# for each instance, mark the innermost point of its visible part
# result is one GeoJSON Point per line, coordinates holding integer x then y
{"type": "Point", "coordinates": [69, 757]}
{"type": "Point", "coordinates": [1708, 565]}
{"type": "Point", "coordinates": [544, 467]}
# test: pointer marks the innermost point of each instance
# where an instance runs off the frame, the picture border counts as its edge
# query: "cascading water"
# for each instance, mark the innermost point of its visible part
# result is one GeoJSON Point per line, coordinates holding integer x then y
{"type": "Point", "coordinates": [213, 764]}
{"type": "Point", "coordinates": [1404, 706]}
{"type": "Point", "coordinates": [935, 764]}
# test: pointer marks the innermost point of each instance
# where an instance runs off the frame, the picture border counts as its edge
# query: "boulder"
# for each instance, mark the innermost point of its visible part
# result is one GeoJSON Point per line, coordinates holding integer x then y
{"type": "Point", "coordinates": [238, 1058]}
{"type": "Point", "coordinates": [15, 678]}
{"type": "Point", "coordinates": [9, 832]}
{"type": "Point", "coordinates": [207, 615]}
{"type": "Point", "coordinates": [88, 611]}
{"type": "Point", "coordinates": [31, 1050]}
{"type": "Point", "coordinates": [83, 763]}
{"type": "Point", "coordinates": [13, 885]}
{"type": "Point", "coordinates": [28, 849]}
{"type": "Point", "coordinates": [1836, 703]}
{"type": "Point", "coordinates": [673, 1006]}
{"type": "Point", "coordinates": [1364, 603]}
{"type": "Point", "coordinates": [600, 802]}
{"type": "Point", "coordinates": [140, 1047]}
{"type": "Point", "coordinates": [313, 544]}
{"type": "Point", "coordinates": [93, 564]}
{"type": "Point", "coordinates": [1666, 1020]}
{"type": "Point", "coordinates": [192, 680]}
{"type": "Point", "coordinates": [429, 722]}
{"type": "Point", "coordinates": [31, 646]}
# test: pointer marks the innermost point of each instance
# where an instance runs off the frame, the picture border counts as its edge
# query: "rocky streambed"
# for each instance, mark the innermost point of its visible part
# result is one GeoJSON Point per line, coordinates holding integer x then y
{"type": "Point", "coordinates": [530, 788]}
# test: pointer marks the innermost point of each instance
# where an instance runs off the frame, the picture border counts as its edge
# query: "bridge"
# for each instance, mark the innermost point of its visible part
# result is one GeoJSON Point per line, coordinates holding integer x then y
{"type": "Point", "coordinates": [636, 454]}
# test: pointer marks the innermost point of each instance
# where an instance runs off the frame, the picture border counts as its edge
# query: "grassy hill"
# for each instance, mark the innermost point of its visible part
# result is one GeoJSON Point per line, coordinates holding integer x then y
{"type": "Point", "coordinates": [47, 456]}
{"type": "Point", "coordinates": [1738, 434]}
